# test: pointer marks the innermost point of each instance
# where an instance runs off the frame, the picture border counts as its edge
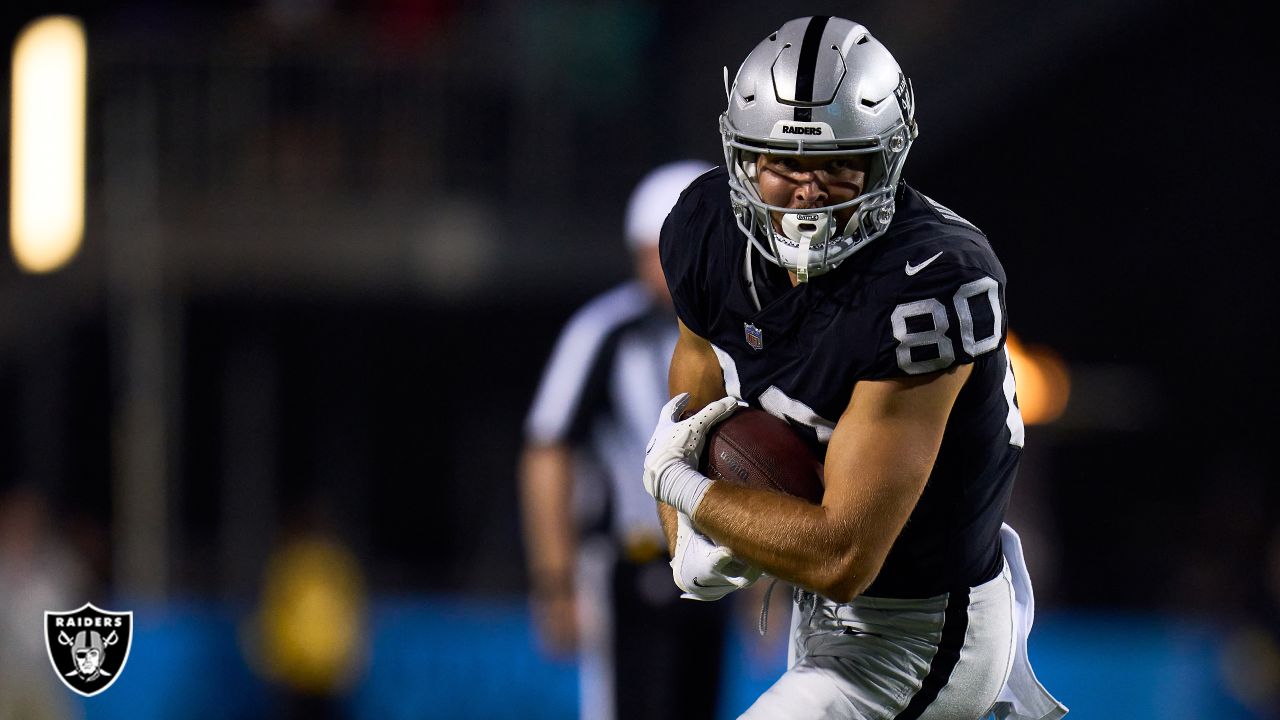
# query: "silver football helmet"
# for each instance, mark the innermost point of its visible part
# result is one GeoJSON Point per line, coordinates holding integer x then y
{"type": "Point", "coordinates": [817, 87]}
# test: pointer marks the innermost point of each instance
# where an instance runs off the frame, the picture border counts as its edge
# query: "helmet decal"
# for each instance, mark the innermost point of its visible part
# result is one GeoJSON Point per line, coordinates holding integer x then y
{"type": "Point", "coordinates": [807, 67]}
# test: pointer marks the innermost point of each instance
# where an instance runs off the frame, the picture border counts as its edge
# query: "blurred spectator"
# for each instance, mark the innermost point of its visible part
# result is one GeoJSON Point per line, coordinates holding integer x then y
{"type": "Point", "coordinates": [601, 583]}
{"type": "Point", "coordinates": [38, 572]}
{"type": "Point", "coordinates": [1250, 663]}
{"type": "Point", "coordinates": [309, 630]}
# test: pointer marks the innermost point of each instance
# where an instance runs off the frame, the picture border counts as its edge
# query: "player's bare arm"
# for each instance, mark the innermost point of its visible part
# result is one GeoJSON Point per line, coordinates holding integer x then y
{"type": "Point", "coordinates": [694, 370]}
{"type": "Point", "coordinates": [878, 461]}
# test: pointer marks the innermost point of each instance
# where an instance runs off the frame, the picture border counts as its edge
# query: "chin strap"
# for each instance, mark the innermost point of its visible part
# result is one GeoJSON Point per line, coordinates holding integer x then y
{"type": "Point", "coordinates": [749, 272]}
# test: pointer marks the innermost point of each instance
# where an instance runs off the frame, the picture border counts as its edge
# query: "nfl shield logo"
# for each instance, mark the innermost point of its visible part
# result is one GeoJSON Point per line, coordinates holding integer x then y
{"type": "Point", "coordinates": [755, 337]}
{"type": "Point", "coordinates": [88, 647]}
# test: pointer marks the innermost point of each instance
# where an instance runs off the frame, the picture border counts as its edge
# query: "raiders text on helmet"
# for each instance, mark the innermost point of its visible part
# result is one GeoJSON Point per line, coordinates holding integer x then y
{"type": "Point", "coordinates": [817, 87]}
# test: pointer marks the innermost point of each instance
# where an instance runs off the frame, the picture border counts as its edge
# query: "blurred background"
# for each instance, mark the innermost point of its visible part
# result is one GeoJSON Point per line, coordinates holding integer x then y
{"type": "Point", "coordinates": [271, 398]}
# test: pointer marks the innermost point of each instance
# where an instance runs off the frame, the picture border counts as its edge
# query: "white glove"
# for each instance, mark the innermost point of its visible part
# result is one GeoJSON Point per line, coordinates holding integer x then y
{"type": "Point", "coordinates": [671, 458]}
{"type": "Point", "coordinates": [704, 570]}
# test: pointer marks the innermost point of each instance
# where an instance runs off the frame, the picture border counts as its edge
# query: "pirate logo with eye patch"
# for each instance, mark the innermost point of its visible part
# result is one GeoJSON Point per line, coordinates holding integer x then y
{"type": "Point", "coordinates": [88, 647]}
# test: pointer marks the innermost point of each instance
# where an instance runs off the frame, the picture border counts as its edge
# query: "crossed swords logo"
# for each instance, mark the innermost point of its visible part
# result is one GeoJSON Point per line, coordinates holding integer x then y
{"type": "Point", "coordinates": [88, 647]}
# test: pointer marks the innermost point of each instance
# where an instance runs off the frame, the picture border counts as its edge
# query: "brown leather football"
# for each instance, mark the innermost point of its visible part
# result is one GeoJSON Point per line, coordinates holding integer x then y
{"type": "Point", "coordinates": [757, 450]}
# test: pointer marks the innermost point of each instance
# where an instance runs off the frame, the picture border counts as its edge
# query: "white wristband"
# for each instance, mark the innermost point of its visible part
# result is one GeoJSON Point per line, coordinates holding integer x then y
{"type": "Point", "coordinates": [683, 487]}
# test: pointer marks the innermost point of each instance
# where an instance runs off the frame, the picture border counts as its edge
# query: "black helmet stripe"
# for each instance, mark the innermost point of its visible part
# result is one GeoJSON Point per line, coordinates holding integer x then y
{"type": "Point", "coordinates": [808, 65]}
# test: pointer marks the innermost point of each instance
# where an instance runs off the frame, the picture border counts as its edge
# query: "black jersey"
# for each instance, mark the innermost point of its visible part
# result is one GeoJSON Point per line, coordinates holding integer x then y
{"type": "Point", "coordinates": [926, 295]}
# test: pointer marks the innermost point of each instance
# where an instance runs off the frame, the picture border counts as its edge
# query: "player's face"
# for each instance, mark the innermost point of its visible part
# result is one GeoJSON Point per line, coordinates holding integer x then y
{"type": "Point", "coordinates": [811, 182]}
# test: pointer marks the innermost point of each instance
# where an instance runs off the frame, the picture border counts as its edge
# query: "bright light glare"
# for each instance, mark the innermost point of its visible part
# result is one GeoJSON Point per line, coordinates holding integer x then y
{"type": "Point", "coordinates": [46, 188]}
{"type": "Point", "coordinates": [1044, 384]}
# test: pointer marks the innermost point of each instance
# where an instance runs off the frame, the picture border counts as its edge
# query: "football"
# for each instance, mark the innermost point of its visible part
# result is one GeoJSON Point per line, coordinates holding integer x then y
{"type": "Point", "coordinates": [757, 450]}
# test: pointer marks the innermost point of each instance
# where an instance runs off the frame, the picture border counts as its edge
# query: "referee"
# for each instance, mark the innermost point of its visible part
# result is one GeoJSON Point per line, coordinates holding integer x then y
{"type": "Point", "coordinates": [597, 562]}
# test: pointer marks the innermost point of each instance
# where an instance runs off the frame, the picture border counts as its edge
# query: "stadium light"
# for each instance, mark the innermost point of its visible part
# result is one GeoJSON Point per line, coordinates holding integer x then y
{"type": "Point", "coordinates": [1044, 385]}
{"type": "Point", "coordinates": [46, 181]}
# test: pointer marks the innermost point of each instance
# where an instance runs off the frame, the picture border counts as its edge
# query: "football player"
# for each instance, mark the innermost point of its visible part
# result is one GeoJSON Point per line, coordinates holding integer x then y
{"type": "Point", "coordinates": [812, 282]}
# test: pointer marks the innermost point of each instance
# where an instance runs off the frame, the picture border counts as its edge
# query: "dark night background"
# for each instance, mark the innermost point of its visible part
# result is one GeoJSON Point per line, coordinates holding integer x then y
{"type": "Point", "coordinates": [355, 229]}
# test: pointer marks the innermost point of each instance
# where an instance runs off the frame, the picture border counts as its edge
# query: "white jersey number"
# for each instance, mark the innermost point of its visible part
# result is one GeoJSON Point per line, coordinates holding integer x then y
{"type": "Point", "coordinates": [774, 401]}
{"type": "Point", "coordinates": [935, 334]}
{"type": "Point", "coordinates": [932, 332]}
{"type": "Point", "coordinates": [780, 405]}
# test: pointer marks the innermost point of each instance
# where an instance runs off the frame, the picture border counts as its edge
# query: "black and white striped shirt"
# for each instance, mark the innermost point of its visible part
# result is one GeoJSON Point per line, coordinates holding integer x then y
{"type": "Point", "coordinates": [600, 394]}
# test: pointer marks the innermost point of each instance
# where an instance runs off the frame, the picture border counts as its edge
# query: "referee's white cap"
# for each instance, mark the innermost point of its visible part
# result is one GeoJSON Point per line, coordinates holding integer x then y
{"type": "Point", "coordinates": [654, 197]}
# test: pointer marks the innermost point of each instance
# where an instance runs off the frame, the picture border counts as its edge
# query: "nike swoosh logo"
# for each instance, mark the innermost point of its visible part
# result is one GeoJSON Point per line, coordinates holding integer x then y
{"type": "Point", "coordinates": [913, 269]}
{"type": "Point", "coordinates": [698, 584]}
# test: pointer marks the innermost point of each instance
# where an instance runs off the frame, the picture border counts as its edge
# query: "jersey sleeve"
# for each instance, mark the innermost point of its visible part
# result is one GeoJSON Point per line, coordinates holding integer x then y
{"type": "Point", "coordinates": [574, 382]}
{"type": "Point", "coordinates": [682, 245]}
{"type": "Point", "coordinates": [950, 311]}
